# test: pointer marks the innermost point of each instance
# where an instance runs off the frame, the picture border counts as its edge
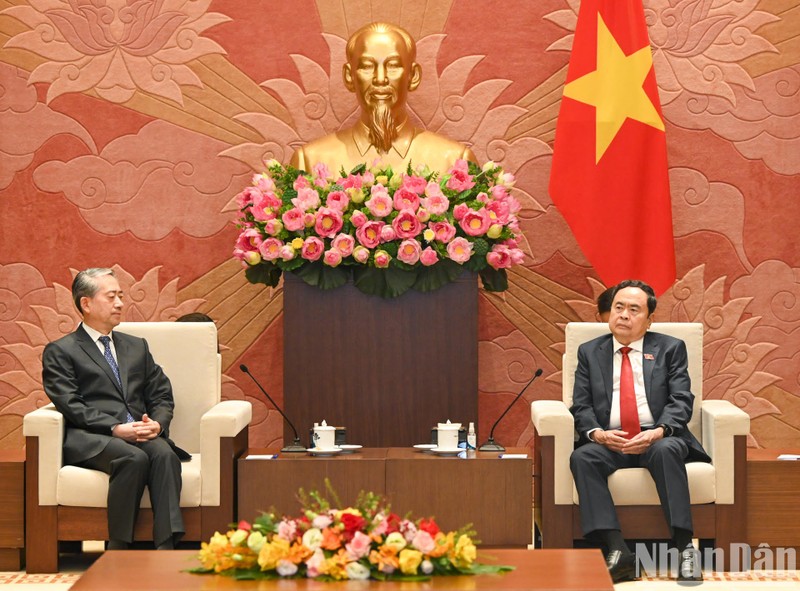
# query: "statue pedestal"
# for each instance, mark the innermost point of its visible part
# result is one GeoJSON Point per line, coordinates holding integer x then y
{"type": "Point", "coordinates": [387, 370]}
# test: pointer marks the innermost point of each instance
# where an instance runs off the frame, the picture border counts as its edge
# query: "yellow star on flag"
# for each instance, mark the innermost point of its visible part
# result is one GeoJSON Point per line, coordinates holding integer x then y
{"type": "Point", "coordinates": [615, 89]}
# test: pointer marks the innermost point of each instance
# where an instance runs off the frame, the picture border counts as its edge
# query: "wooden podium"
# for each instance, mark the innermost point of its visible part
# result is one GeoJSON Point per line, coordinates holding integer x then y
{"type": "Point", "coordinates": [387, 370]}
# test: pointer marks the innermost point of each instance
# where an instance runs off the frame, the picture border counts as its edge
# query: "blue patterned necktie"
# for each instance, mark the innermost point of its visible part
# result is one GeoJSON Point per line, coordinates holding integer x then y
{"type": "Point", "coordinates": [106, 340]}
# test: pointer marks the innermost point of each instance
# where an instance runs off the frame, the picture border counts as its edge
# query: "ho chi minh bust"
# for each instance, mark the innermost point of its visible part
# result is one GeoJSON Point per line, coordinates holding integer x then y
{"type": "Point", "coordinates": [381, 71]}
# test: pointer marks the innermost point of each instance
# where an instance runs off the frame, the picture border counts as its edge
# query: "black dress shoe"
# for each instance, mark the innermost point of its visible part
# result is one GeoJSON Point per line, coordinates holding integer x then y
{"type": "Point", "coordinates": [689, 572]}
{"type": "Point", "coordinates": [621, 567]}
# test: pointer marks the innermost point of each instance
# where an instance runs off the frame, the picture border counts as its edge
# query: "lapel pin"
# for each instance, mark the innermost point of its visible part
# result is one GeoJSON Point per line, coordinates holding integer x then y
{"type": "Point", "coordinates": [649, 357]}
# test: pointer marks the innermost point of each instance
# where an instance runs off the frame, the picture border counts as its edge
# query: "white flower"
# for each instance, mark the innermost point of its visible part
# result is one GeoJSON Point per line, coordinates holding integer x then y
{"type": "Point", "coordinates": [426, 567]}
{"type": "Point", "coordinates": [255, 540]}
{"type": "Point", "coordinates": [395, 540]}
{"type": "Point", "coordinates": [238, 537]}
{"type": "Point", "coordinates": [286, 568]}
{"type": "Point", "coordinates": [356, 571]}
{"type": "Point", "coordinates": [312, 538]}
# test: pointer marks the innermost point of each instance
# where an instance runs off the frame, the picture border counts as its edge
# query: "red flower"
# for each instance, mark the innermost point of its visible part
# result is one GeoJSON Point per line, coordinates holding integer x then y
{"type": "Point", "coordinates": [430, 526]}
{"type": "Point", "coordinates": [244, 525]}
{"type": "Point", "coordinates": [352, 523]}
{"type": "Point", "coordinates": [392, 523]}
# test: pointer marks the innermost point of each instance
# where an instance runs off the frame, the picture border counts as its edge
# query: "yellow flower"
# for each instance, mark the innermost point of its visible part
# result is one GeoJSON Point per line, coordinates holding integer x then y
{"type": "Point", "coordinates": [297, 243]}
{"type": "Point", "coordinates": [335, 566]}
{"type": "Point", "coordinates": [410, 561]}
{"type": "Point", "coordinates": [463, 555]}
{"type": "Point", "coordinates": [348, 511]}
{"type": "Point", "coordinates": [272, 552]}
{"type": "Point", "coordinates": [384, 557]}
{"type": "Point", "coordinates": [429, 235]}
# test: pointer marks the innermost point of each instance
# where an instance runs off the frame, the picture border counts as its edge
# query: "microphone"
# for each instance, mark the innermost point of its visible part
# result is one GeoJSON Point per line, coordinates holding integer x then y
{"type": "Point", "coordinates": [295, 447]}
{"type": "Point", "coordinates": [491, 445]}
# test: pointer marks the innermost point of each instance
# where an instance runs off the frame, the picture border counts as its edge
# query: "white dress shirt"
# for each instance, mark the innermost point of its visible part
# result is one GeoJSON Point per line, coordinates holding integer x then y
{"type": "Point", "coordinates": [96, 338]}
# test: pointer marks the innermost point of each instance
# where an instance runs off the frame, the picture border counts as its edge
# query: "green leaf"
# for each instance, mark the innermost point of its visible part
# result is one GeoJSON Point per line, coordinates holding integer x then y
{"type": "Point", "coordinates": [323, 276]}
{"type": "Point", "coordinates": [436, 276]}
{"type": "Point", "coordinates": [265, 273]}
{"type": "Point", "coordinates": [494, 279]}
{"type": "Point", "coordinates": [385, 283]}
{"type": "Point", "coordinates": [360, 169]}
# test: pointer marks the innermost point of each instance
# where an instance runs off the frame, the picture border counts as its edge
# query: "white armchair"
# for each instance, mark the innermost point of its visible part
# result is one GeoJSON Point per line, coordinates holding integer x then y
{"type": "Point", "coordinates": [66, 503]}
{"type": "Point", "coordinates": [717, 490]}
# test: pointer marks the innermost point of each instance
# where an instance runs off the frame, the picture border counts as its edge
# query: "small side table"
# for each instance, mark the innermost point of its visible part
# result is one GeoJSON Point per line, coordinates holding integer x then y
{"type": "Point", "coordinates": [12, 509]}
{"type": "Point", "coordinates": [773, 490]}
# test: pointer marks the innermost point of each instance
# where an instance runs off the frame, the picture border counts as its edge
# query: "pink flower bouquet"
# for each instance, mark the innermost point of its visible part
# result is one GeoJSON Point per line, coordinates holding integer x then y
{"type": "Point", "coordinates": [365, 541]}
{"type": "Point", "coordinates": [387, 231]}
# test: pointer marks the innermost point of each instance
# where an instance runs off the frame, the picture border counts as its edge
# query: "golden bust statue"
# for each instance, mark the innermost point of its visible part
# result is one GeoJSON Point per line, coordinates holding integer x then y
{"type": "Point", "coordinates": [381, 71]}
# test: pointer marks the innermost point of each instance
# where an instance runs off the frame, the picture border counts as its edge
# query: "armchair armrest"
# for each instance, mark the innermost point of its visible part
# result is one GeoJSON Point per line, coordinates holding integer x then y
{"type": "Point", "coordinates": [47, 424]}
{"type": "Point", "coordinates": [722, 421]}
{"type": "Point", "coordinates": [225, 419]}
{"type": "Point", "coordinates": [552, 418]}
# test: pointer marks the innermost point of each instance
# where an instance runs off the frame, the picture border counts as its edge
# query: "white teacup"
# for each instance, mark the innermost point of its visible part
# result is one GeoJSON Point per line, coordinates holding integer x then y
{"type": "Point", "coordinates": [324, 436]}
{"type": "Point", "coordinates": [447, 435]}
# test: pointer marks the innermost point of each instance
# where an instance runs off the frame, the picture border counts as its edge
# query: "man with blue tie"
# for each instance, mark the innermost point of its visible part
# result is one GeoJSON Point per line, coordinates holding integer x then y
{"type": "Point", "coordinates": [632, 403]}
{"type": "Point", "coordinates": [117, 404]}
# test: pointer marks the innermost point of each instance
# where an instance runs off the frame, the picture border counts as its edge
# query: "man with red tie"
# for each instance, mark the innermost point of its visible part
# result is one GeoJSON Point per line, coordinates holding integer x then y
{"type": "Point", "coordinates": [632, 403]}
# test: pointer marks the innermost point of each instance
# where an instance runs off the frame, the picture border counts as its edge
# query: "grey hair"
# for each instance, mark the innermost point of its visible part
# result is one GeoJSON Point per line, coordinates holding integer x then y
{"type": "Point", "coordinates": [85, 285]}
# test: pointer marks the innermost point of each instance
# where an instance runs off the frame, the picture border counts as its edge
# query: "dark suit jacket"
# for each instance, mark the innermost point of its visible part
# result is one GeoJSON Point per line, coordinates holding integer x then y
{"type": "Point", "coordinates": [666, 383]}
{"type": "Point", "coordinates": [81, 384]}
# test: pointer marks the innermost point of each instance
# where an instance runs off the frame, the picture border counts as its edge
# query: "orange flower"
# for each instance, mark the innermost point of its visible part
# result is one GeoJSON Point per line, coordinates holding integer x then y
{"type": "Point", "coordinates": [336, 564]}
{"type": "Point", "coordinates": [383, 557]}
{"type": "Point", "coordinates": [444, 543]}
{"type": "Point", "coordinates": [331, 539]}
{"type": "Point", "coordinates": [299, 553]}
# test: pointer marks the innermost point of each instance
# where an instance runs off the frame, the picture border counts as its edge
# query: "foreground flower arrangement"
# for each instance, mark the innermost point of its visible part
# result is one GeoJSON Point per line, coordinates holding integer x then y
{"type": "Point", "coordinates": [360, 542]}
{"type": "Point", "coordinates": [387, 231]}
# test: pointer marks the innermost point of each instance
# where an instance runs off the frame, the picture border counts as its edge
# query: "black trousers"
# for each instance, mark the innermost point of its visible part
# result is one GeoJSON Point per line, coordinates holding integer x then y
{"type": "Point", "coordinates": [592, 464]}
{"type": "Point", "coordinates": [130, 467]}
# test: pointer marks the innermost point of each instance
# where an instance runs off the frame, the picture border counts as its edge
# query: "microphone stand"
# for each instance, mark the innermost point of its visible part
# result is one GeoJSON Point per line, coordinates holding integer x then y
{"type": "Point", "coordinates": [296, 446]}
{"type": "Point", "coordinates": [490, 445]}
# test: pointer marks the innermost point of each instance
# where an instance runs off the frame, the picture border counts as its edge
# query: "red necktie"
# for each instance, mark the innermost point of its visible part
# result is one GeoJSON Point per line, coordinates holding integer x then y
{"type": "Point", "coordinates": [628, 410]}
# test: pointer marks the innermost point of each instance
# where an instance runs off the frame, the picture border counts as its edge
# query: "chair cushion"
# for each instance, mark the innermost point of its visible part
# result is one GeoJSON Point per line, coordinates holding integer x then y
{"type": "Point", "coordinates": [634, 486]}
{"type": "Point", "coordinates": [81, 487]}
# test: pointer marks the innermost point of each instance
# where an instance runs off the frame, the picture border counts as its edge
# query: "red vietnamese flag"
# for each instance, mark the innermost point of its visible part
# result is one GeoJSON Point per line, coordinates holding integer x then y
{"type": "Point", "coordinates": [609, 176]}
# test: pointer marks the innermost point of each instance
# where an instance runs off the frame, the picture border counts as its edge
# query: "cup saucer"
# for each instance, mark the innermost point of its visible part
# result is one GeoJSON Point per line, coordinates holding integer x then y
{"type": "Point", "coordinates": [447, 451]}
{"type": "Point", "coordinates": [319, 451]}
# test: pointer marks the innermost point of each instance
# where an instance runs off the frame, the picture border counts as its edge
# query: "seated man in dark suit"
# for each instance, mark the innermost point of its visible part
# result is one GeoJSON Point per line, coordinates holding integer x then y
{"type": "Point", "coordinates": [117, 404]}
{"type": "Point", "coordinates": [632, 403]}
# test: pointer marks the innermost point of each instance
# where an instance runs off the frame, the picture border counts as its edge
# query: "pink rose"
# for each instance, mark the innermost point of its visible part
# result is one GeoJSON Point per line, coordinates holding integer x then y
{"type": "Point", "coordinates": [414, 183]}
{"type": "Point", "coordinates": [405, 199]}
{"type": "Point", "coordinates": [499, 257]}
{"type": "Point", "coordinates": [475, 223]}
{"type": "Point", "coordinates": [444, 231]}
{"type": "Point", "coordinates": [369, 234]}
{"type": "Point", "coordinates": [382, 259]}
{"type": "Point", "coordinates": [321, 172]}
{"type": "Point", "coordinates": [409, 251]}
{"type": "Point", "coordinates": [406, 224]}
{"type": "Point", "coordinates": [423, 215]}
{"type": "Point", "coordinates": [436, 204]}
{"type": "Point", "coordinates": [263, 183]}
{"type": "Point", "coordinates": [287, 252]}
{"type": "Point", "coordinates": [499, 211]}
{"type": "Point", "coordinates": [315, 566]}
{"type": "Point", "coordinates": [423, 541]}
{"type": "Point", "coordinates": [459, 250]}
{"type": "Point", "coordinates": [353, 181]}
{"type": "Point", "coordinates": [358, 218]}
{"type": "Point", "coordinates": [429, 257]}
{"type": "Point", "coordinates": [249, 239]}
{"type": "Point", "coordinates": [273, 227]}
{"type": "Point", "coordinates": [312, 249]}
{"type": "Point", "coordinates": [460, 179]}
{"type": "Point", "coordinates": [344, 243]}
{"type": "Point", "coordinates": [270, 249]}
{"type": "Point", "coordinates": [287, 529]}
{"type": "Point", "coordinates": [388, 234]}
{"type": "Point", "coordinates": [306, 199]}
{"type": "Point", "coordinates": [460, 210]}
{"type": "Point", "coordinates": [482, 197]}
{"type": "Point", "coordinates": [328, 222]}
{"type": "Point", "coordinates": [359, 546]}
{"type": "Point", "coordinates": [337, 200]}
{"type": "Point", "coordinates": [499, 192]}
{"type": "Point", "coordinates": [361, 254]}
{"type": "Point", "coordinates": [309, 219]}
{"type": "Point", "coordinates": [247, 197]}
{"type": "Point", "coordinates": [380, 205]}
{"type": "Point", "coordinates": [433, 189]}
{"type": "Point", "coordinates": [517, 256]}
{"type": "Point", "coordinates": [332, 257]}
{"type": "Point", "coordinates": [300, 182]}
{"type": "Point", "coordinates": [293, 219]}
